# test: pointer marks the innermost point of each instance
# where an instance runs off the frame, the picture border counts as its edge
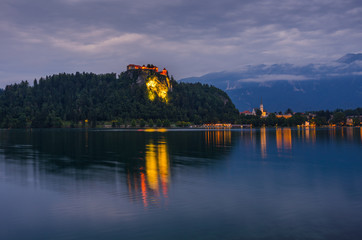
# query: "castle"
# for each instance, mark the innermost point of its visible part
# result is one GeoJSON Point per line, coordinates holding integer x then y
{"type": "Point", "coordinates": [148, 67]}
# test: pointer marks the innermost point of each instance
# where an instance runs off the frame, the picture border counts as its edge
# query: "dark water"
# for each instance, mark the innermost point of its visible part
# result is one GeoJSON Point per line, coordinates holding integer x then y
{"type": "Point", "coordinates": [249, 184]}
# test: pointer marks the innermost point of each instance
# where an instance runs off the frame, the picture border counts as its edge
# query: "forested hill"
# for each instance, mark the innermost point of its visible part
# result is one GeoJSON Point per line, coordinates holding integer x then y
{"type": "Point", "coordinates": [58, 100]}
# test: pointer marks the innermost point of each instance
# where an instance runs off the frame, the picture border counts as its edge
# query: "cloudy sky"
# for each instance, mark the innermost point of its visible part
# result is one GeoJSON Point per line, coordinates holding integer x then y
{"type": "Point", "coordinates": [188, 37]}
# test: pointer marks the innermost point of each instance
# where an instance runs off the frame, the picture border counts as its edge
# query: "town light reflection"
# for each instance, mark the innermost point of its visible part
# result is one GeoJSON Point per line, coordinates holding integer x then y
{"type": "Point", "coordinates": [332, 132]}
{"type": "Point", "coordinates": [279, 138]}
{"type": "Point", "coordinates": [263, 142]}
{"type": "Point", "coordinates": [350, 133]}
{"type": "Point", "coordinates": [284, 138]}
{"type": "Point", "coordinates": [310, 134]}
{"type": "Point", "coordinates": [247, 137]}
{"type": "Point", "coordinates": [287, 138]}
{"type": "Point", "coordinates": [218, 137]}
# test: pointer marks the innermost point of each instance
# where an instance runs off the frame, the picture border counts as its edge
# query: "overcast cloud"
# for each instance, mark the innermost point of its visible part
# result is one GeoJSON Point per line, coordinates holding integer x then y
{"type": "Point", "coordinates": [189, 37]}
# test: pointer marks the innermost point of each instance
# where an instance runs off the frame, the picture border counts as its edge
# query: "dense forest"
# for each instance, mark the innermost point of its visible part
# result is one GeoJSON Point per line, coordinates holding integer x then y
{"type": "Point", "coordinates": [64, 100]}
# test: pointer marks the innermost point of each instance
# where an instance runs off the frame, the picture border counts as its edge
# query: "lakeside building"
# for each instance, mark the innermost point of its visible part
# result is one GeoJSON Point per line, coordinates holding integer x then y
{"type": "Point", "coordinates": [352, 120]}
{"type": "Point", "coordinates": [263, 114]}
{"type": "Point", "coordinates": [308, 124]}
{"type": "Point", "coordinates": [286, 116]}
{"type": "Point", "coordinates": [148, 67]}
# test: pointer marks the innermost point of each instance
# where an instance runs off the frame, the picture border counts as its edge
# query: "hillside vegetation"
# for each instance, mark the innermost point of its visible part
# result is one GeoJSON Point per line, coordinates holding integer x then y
{"type": "Point", "coordinates": [69, 99]}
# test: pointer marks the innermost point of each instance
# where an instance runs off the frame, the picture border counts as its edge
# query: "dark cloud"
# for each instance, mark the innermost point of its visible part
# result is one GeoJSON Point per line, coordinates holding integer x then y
{"type": "Point", "coordinates": [189, 37]}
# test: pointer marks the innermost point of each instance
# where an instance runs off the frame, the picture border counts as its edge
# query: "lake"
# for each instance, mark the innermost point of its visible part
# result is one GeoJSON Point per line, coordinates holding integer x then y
{"type": "Point", "coordinates": [273, 183]}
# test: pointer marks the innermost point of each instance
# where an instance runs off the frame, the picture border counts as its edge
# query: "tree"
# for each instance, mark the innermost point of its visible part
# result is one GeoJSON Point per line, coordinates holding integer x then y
{"type": "Point", "coordinates": [289, 111]}
{"type": "Point", "coordinates": [133, 123]}
{"type": "Point", "coordinates": [319, 121]}
{"type": "Point", "coordinates": [339, 118]}
{"type": "Point", "coordinates": [142, 123]}
{"type": "Point", "coordinates": [298, 119]}
{"type": "Point", "coordinates": [166, 123]}
{"type": "Point", "coordinates": [258, 112]}
{"type": "Point", "coordinates": [271, 120]}
{"type": "Point", "coordinates": [356, 121]}
{"type": "Point", "coordinates": [159, 123]}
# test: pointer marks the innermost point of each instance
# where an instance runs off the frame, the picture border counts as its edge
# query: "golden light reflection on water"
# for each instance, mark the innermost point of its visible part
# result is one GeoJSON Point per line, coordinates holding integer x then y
{"type": "Point", "coordinates": [346, 133]}
{"type": "Point", "coordinates": [279, 138]}
{"type": "Point", "coordinates": [247, 138]}
{"type": "Point", "coordinates": [153, 179]}
{"type": "Point", "coordinates": [143, 189]}
{"type": "Point", "coordinates": [218, 137]}
{"type": "Point", "coordinates": [263, 142]}
{"type": "Point", "coordinates": [151, 166]}
{"type": "Point", "coordinates": [310, 134]}
{"type": "Point", "coordinates": [287, 138]}
{"type": "Point", "coordinates": [350, 133]}
{"type": "Point", "coordinates": [284, 138]}
{"type": "Point", "coordinates": [332, 132]}
{"type": "Point", "coordinates": [164, 167]}
{"type": "Point", "coordinates": [150, 184]}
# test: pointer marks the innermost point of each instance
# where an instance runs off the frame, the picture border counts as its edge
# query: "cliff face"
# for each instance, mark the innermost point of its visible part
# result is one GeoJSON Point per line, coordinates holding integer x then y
{"type": "Point", "coordinates": [156, 83]}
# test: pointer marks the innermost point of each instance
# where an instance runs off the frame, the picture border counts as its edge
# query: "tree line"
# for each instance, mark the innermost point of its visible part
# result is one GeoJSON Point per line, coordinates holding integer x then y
{"type": "Point", "coordinates": [69, 99]}
{"type": "Point", "coordinates": [337, 117]}
{"type": "Point", "coordinates": [80, 99]}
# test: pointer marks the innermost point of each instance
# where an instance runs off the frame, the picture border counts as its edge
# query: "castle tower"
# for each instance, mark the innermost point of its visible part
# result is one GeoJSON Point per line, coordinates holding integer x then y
{"type": "Point", "coordinates": [164, 72]}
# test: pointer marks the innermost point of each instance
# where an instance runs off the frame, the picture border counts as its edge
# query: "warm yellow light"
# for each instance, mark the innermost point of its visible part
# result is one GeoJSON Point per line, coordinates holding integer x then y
{"type": "Point", "coordinates": [157, 88]}
{"type": "Point", "coordinates": [151, 166]}
{"type": "Point", "coordinates": [155, 130]}
{"type": "Point", "coordinates": [157, 166]}
{"type": "Point", "coordinates": [263, 142]}
{"type": "Point", "coordinates": [163, 163]}
{"type": "Point", "coordinates": [150, 130]}
{"type": "Point", "coordinates": [162, 130]}
{"type": "Point", "coordinates": [287, 138]}
{"type": "Point", "coordinates": [279, 137]}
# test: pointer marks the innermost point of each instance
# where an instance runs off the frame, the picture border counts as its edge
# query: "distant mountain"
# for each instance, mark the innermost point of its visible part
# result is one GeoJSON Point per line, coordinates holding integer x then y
{"type": "Point", "coordinates": [301, 88]}
{"type": "Point", "coordinates": [349, 58]}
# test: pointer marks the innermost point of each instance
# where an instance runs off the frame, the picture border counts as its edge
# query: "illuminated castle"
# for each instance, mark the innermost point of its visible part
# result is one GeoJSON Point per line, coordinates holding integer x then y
{"type": "Point", "coordinates": [148, 67]}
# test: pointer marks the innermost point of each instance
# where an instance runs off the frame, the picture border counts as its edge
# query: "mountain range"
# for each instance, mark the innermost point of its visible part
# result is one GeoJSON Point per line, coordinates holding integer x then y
{"type": "Point", "coordinates": [301, 88]}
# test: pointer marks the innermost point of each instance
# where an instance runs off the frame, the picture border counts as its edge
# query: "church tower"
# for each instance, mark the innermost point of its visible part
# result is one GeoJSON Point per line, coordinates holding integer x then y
{"type": "Point", "coordinates": [261, 105]}
{"type": "Point", "coordinates": [263, 113]}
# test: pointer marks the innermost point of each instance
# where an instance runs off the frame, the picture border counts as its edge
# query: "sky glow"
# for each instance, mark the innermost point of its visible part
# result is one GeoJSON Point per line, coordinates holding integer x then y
{"type": "Point", "coordinates": [188, 37]}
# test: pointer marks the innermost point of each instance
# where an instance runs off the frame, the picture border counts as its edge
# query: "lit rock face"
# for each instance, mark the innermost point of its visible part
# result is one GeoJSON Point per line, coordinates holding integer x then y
{"type": "Point", "coordinates": [158, 87]}
{"type": "Point", "coordinates": [157, 83]}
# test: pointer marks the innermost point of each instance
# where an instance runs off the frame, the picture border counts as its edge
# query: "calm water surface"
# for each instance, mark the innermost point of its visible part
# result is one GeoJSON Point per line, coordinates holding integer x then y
{"type": "Point", "coordinates": [240, 184]}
